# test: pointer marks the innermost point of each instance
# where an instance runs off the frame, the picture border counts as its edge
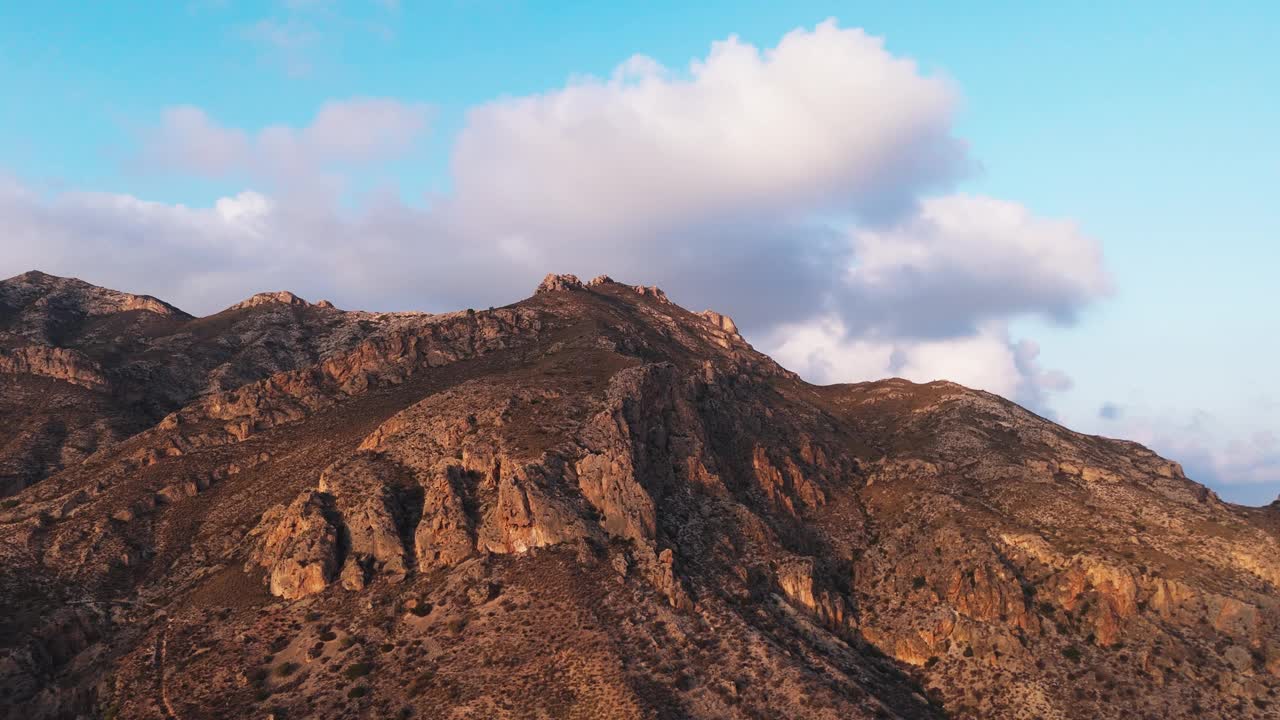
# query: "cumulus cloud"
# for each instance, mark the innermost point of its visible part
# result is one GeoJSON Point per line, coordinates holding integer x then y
{"type": "Point", "coordinates": [1110, 411]}
{"type": "Point", "coordinates": [793, 186]}
{"type": "Point", "coordinates": [118, 238]}
{"type": "Point", "coordinates": [802, 188]}
{"type": "Point", "coordinates": [826, 121]}
{"type": "Point", "coordinates": [343, 135]}
{"type": "Point", "coordinates": [205, 258]}
{"type": "Point", "coordinates": [824, 351]}
{"type": "Point", "coordinates": [963, 260]}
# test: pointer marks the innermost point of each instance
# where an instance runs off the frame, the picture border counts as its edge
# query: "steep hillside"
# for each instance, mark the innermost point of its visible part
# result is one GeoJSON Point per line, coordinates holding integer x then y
{"type": "Point", "coordinates": [82, 367]}
{"type": "Point", "coordinates": [591, 503]}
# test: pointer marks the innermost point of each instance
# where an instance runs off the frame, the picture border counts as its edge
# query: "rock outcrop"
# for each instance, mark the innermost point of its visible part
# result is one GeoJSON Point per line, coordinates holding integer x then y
{"type": "Point", "coordinates": [57, 363]}
{"type": "Point", "coordinates": [377, 507]}
{"type": "Point", "coordinates": [559, 283]}
{"type": "Point", "coordinates": [280, 297]}
{"type": "Point", "coordinates": [298, 546]}
{"type": "Point", "coordinates": [445, 536]}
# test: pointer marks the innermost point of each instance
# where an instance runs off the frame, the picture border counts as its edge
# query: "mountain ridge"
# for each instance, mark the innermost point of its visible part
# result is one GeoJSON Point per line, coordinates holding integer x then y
{"type": "Point", "coordinates": [592, 503]}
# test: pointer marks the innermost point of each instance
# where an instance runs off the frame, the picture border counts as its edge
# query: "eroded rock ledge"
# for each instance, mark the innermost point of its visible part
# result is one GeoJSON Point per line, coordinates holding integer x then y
{"type": "Point", "coordinates": [58, 363]}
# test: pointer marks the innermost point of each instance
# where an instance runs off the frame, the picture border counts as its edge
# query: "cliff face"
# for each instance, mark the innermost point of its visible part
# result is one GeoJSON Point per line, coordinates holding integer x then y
{"type": "Point", "coordinates": [591, 503]}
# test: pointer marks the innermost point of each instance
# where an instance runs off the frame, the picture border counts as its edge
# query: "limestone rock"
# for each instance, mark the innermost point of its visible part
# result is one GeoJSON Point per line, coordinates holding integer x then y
{"type": "Point", "coordinates": [558, 283]}
{"type": "Point", "coordinates": [444, 536]}
{"type": "Point", "coordinates": [281, 297]}
{"type": "Point", "coordinates": [525, 516]}
{"type": "Point", "coordinates": [57, 363]}
{"type": "Point", "coordinates": [723, 323]}
{"type": "Point", "coordinates": [652, 291]}
{"type": "Point", "coordinates": [375, 501]}
{"type": "Point", "coordinates": [298, 546]}
{"type": "Point", "coordinates": [796, 579]}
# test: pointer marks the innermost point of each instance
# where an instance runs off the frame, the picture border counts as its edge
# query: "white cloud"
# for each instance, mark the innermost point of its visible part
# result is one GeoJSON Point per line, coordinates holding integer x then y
{"type": "Point", "coordinates": [804, 188]}
{"type": "Point", "coordinates": [343, 135]}
{"type": "Point", "coordinates": [964, 260]}
{"type": "Point", "coordinates": [823, 351]}
{"type": "Point", "coordinates": [733, 184]}
{"type": "Point", "coordinates": [826, 121]}
{"type": "Point", "coordinates": [189, 141]}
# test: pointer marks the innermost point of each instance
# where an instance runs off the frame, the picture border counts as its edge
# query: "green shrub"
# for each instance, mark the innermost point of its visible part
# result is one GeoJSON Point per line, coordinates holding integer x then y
{"type": "Point", "coordinates": [918, 582]}
{"type": "Point", "coordinates": [9, 504]}
{"type": "Point", "coordinates": [1072, 653]}
{"type": "Point", "coordinates": [285, 669]}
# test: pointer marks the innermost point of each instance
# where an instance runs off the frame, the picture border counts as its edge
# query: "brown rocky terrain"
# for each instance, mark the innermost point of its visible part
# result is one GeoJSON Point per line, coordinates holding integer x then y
{"type": "Point", "coordinates": [589, 504]}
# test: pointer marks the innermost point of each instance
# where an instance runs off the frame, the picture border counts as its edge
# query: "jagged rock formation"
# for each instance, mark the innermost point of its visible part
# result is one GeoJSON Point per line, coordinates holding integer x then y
{"type": "Point", "coordinates": [133, 359]}
{"type": "Point", "coordinates": [298, 545]}
{"type": "Point", "coordinates": [591, 503]}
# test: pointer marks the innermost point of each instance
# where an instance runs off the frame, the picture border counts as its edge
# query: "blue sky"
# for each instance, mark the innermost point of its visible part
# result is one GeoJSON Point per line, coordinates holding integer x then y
{"type": "Point", "coordinates": [1150, 126]}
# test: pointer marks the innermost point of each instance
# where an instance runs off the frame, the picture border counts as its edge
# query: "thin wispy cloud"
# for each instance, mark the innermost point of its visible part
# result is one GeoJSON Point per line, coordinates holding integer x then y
{"type": "Point", "coordinates": [287, 43]}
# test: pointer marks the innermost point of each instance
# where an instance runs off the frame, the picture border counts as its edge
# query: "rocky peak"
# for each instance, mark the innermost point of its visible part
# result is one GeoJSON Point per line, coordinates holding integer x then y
{"type": "Point", "coordinates": [280, 297]}
{"type": "Point", "coordinates": [651, 291]}
{"type": "Point", "coordinates": [722, 322]}
{"type": "Point", "coordinates": [559, 283]}
{"type": "Point", "coordinates": [39, 293]}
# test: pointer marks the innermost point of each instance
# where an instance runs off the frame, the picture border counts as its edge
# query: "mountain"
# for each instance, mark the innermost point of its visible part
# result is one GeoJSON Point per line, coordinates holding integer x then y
{"type": "Point", "coordinates": [83, 367]}
{"type": "Point", "coordinates": [588, 504]}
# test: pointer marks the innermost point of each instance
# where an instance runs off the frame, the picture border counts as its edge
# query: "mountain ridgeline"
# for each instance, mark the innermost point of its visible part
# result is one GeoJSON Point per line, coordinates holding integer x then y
{"type": "Point", "coordinates": [589, 504]}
